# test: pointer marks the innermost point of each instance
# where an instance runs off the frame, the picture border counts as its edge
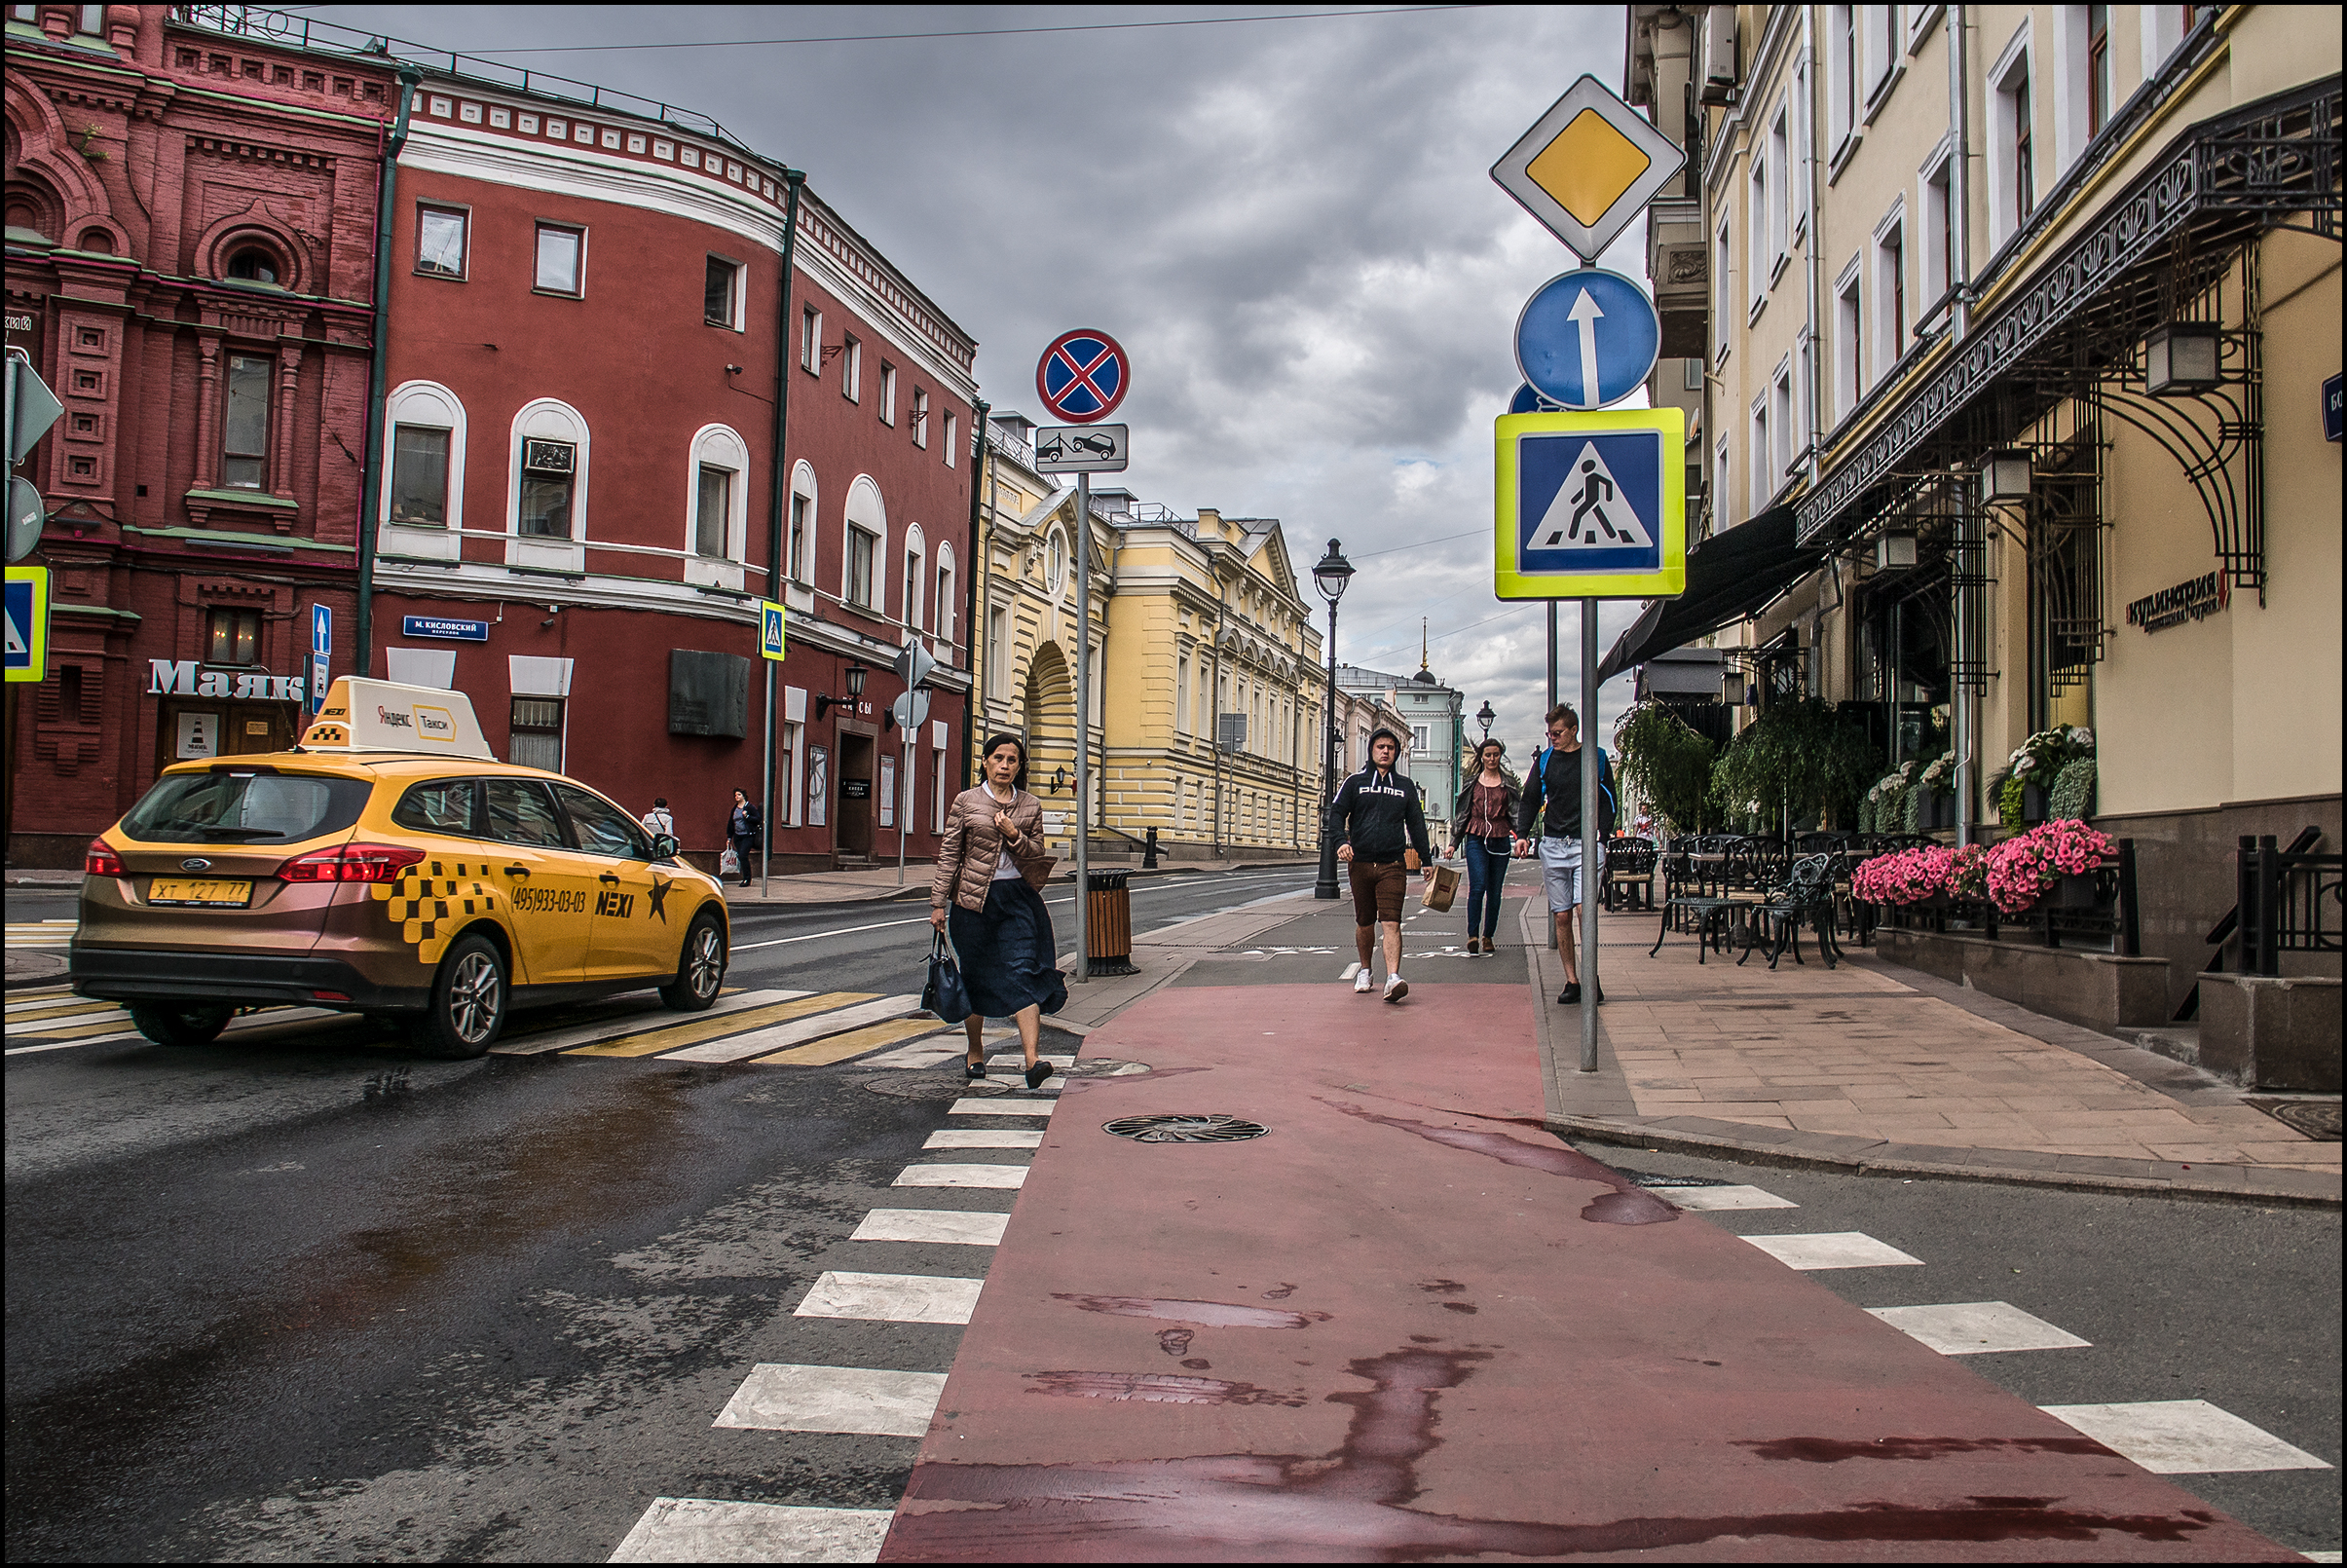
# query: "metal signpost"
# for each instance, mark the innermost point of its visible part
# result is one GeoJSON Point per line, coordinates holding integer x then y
{"type": "Point", "coordinates": [321, 653]}
{"type": "Point", "coordinates": [774, 638]}
{"type": "Point", "coordinates": [1081, 377]}
{"type": "Point", "coordinates": [911, 710]}
{"type": "Point", "coordinates": [1588, 506]}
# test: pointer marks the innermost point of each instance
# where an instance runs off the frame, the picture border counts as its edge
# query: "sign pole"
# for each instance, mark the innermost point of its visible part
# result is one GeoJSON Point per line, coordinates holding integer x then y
{"type": "Point", "coordinates": [766, 792]}
{"type": "Point", "coordinates": [1552, 663]}
{"type": "Point", "coordinates": [1592, 834]}
{"type": "Point", "coordinates": [1083, 722]}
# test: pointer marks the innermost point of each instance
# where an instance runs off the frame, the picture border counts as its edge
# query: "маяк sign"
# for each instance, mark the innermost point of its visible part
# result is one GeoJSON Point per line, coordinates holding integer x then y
{"type": "Point", "coordinates": [185, 677]}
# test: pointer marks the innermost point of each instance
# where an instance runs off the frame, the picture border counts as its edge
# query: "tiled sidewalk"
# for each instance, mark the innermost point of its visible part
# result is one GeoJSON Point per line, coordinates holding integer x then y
{"type": "Point", "coordinates": [1876, 1065]}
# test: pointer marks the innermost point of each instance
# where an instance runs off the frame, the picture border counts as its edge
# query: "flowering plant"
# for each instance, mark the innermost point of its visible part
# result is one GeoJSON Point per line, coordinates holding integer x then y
{"type": "Point", "coordinates": [2021, 868]}
{"type": "Point", "coordinates": [1941, 774]}
{"type": "Point", "coordinates": [1968, 873]}
{"type": "Point", "coordinates": [1909, 876]}
{"type": "Point", "coordinates": [2036, 760]}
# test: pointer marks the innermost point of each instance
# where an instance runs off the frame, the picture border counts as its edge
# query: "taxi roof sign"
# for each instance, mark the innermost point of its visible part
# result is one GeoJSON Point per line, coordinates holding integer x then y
{"type": "Point", "coordinates": [364, 714]}
{"type": "Point", "coordinates": [1590, 505]}
{"type": "Point", "coordinates": [1588, 167]}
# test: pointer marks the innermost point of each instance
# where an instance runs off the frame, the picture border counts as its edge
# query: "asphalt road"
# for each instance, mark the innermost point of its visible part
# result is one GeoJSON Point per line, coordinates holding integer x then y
{"type": "Point", "coordinates": [327, 1300]}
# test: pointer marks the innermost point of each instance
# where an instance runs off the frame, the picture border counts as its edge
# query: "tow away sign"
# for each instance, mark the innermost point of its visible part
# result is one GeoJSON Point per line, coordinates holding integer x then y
{"type": "Point", "coordinates": [1591, 505]}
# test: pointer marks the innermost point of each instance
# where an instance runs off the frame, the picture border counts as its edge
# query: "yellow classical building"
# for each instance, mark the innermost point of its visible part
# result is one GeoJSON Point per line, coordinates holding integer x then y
{"type": "Point", "coordinates": [1199, 628]}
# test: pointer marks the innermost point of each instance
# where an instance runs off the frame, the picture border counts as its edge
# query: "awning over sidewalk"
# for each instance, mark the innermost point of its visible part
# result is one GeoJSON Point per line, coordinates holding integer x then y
{"type": "Point", "coordinates": [1728, 577]}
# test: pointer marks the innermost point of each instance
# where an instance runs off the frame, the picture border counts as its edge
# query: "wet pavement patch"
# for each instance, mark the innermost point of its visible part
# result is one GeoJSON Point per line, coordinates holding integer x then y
{"type": "Point", "coordinates": [1628, 1204]}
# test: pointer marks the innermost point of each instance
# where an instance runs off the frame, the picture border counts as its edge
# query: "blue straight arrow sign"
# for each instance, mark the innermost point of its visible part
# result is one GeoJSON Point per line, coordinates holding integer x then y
{"type": "Point", "coordinates": [1587, 339]}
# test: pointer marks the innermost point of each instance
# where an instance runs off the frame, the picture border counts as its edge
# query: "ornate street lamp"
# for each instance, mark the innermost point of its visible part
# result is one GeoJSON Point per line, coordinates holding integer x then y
{"type": "Point", "coordinates": [2004, 475]}
{"type": "Point", "coordinates": [824, 702]}
{"type": "Point", "coordinates": [1330, 574]}
{"type": "Point", "coordinates": [1485, 717]}
{"type": "Point", "coordinates": [2183, 357]}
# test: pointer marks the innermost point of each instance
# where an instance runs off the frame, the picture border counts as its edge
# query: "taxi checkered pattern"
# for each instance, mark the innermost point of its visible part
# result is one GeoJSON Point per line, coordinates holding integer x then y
{"type": "Point", "coordinates": [429, 901]}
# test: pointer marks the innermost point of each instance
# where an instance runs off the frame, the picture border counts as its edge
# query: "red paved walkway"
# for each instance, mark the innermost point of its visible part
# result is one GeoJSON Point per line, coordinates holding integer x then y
{"type": "Point", "coordinates": [1408, 1324]}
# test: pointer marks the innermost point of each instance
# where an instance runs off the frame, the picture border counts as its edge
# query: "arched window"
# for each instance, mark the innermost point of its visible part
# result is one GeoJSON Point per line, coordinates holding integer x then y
{"type": "Point", "coordinates": [547, 487]}
{"type": "Point", "coordinates": [947, 587]}
{"type": "Point", "coordinates": [424, 463]}
{"type": "Point", "coordinates": [863, 548]}
{"type": "Point", "coordinates": [799, 539]}
{"type": "Point", "coordinates": [909, 588]}
{"type": "Point", "coordinates": [717, 507]}
{"type": "Point", "coordinates": [1054, 571]}
{"type": "Point", "coordinates": [254, 264]}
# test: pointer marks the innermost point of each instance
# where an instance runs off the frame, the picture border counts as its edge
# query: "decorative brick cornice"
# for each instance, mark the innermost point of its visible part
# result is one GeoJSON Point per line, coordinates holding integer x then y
{"type": "Point", "coordinates": [259, 152]}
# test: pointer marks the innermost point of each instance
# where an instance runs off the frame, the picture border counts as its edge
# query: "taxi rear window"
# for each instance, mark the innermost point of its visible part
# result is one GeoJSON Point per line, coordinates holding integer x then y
{"type": "Point", "coordinates": [442, 805]}
{"type": "Point", "coordinates": [228, 807]}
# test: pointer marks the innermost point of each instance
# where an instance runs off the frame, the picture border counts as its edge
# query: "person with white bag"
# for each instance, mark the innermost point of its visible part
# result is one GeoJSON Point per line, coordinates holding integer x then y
{"type": "Point", "coordinates": [745, 827]}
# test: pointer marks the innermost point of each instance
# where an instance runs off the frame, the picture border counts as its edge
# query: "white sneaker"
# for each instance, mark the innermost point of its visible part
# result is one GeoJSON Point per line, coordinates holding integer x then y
{"type": "Point", "coordinates": [1396, 988]}
{"type": "Point", "coordinates": [1362, 985]}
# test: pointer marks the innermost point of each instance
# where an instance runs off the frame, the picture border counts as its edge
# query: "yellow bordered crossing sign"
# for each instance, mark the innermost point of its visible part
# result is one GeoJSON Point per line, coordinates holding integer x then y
{"type": "Point", "coordinates": [1590, 505]}
{"type": "Point", "coordinates": [28, 623]}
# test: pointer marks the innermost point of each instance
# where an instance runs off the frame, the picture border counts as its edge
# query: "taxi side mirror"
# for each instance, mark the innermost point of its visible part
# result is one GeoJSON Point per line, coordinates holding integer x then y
{"type": "Point", "coordinates": [663, 846]}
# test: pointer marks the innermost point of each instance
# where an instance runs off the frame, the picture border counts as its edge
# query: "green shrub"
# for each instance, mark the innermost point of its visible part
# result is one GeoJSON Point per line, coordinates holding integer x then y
{"type": "Point", "coordinates": [2073, 796]}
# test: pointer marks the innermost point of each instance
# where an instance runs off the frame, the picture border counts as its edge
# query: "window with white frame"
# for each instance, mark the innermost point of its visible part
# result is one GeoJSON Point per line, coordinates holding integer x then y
{"type": "Point", "coordinates": [998, 654]}
{"type": "Point", "coordinates": [945, 604]}
{"type": "Point", "coordinates": [1764, 458]}
{"type": "Point", "coordinates": [561, 260]}
{"type": "Point", "coordinates": [1181, 695]}
{"type": "Point", "coordinates": [1720, 295]}
{"type": "Point", "coordinates": [1780, 206]}
{"type": "Point", "coordinates": [851, 369]}
{"type": "Point", "coordinates": [952, 438]}
{"type": "Point", "coordinates": [917, 561]}
{"type": "Point", "coordinates": [715, 501]}
{"type": "Point", "coordinates": [1720, 516]}
{"type": "Point", "coordinates": [2098, 68]}
{"type": "Point", "coordinates": [937, 789]}
{"type": "Point", "coordinates": [2012, 141]}
{"type": "Point", "coordinates": [1804, 393]}
{"type": "Point", "coordinates": [722, 293]}
{"type": "Point", "coordinates": [1890, 293]}
{"type": "Point", "coordinates": [1850, 348]}
{"type": "Point", "coordinates": [718, 508]}
{"type": "Point", "coordinates": [1055, 563]}
{"type": "Point", "coordinates": [1781, 420]}
{"type": "Point", "coordinates": [1842, 73]}
{"type": "Point", "coordinates": [786, 768]}
{"type": "Point", "coordinates": [810, 340]}
{"type": "Point", "coordinates": [862, 545]}
{"type": "Point", "coordinates": [887, 393]}
{"type": "Point", "coordinates": [1880, 28]}
{"type": "Point", "coordinates": [920, 416]}
{"type": "Point", "coordinates": [1936, 243]}
{"type": "Point", "coordinates": [425, 441]}
{"type": "Point", "coordinates": [1756, 219]}
{"type": "Point", "coordinates": [865, 521]}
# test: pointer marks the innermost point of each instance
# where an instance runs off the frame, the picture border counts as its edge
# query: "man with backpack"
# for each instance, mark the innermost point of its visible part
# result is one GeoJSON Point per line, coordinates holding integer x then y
{"type": "Point", "coordinates": [1552, 797]}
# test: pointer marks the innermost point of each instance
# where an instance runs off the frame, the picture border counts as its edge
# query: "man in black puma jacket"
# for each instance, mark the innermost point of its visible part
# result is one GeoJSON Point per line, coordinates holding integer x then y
{"type": "Point", "coordinates": [1378, 820]}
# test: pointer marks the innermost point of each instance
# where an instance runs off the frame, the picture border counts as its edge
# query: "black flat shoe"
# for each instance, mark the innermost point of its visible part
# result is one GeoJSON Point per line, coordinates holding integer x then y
{"type": "Point", "coordinates": [1037, 1073]}
{"type": "Point", "coordinates": [1569, 995]}
{"type": "Point", "coordinates": [972, 1069]}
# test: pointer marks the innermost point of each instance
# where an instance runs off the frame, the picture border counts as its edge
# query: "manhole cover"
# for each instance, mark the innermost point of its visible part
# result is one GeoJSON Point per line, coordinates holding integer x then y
{"type": "Point", "coordinates": [914, 1085]}
{"type": "Point", "coordinates": [2316, 1118]}
{"type": "Point", "coordinates": [1215, 1129]}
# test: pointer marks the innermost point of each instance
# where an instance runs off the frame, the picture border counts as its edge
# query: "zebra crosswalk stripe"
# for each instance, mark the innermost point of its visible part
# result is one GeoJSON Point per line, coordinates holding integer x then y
{"type": "Point", "coordinates": [528, 1042]}
{"type": "Point", "coordinates": [658, 1043]}
{"type": "Point", "coordinates": [855, 1042]}
{"type": "Point", "coordinates": [834, 1019]}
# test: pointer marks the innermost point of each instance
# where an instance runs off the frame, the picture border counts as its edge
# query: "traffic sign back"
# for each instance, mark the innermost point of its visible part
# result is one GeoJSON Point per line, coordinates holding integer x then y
{"type": "Point", "coordinates": [1083, 376]}
{"type": "Point", "coordinates": [1588, 338]}
{"type": "Point", "coordinates": [1591, 505]}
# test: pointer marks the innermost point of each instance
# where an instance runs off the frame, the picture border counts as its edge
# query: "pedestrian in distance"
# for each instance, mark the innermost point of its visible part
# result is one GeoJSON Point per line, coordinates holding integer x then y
{"type": "Point", "coordinates": [987, 895]}
{"type": "Point", "coordinates": [1378, 820]}
{"type": "Point", "coordinates": [745, 830]}
{"type": "Point", "coordinates": [659, 820]}
{"type": "Point", "coordinates": [1552, 797]}
{"type": "Point", "coordinates": [1486, 817]}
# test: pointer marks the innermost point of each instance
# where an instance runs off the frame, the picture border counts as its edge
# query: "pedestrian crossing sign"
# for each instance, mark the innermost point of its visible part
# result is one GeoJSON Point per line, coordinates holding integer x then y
{"type": "Point", "coordinates": [773, 637]}
{"type": "Point", "coordinates": [1591, 505]}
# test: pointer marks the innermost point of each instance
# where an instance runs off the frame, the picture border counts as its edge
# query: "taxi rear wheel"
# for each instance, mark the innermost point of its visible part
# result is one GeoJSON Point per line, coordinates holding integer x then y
{"type": "Point", "coordinates": [700, 967]}
{"type": "Point", "coordinates": [467, 1002]}
{"type": "Point", "coordinates": [166, 1024]}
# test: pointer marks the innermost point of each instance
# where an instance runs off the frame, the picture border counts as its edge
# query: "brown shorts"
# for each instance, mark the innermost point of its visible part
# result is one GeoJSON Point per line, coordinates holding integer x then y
{"type": "Point", "coordinates": [1378, 888]}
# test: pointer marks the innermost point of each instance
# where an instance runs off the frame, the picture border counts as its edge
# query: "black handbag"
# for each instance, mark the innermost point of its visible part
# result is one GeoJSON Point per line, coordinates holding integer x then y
{"type": "Point", "coordinates": [945, 994]}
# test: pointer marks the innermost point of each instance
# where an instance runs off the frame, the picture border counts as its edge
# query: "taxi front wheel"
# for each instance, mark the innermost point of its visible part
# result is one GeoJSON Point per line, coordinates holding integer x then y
{"type": "Point", "coordinates": [700, 967]}
{"type": "Point", "coordinates": [166, 1024]}
{"type": "Point", "coordinates": [467, 1002]}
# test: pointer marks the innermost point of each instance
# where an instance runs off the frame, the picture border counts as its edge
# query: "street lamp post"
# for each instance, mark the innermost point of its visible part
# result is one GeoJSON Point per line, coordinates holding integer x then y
{"type": "Point", "coordinates": [1329, 575]}
{"type": "Point", "coordinates": [1484, 716]}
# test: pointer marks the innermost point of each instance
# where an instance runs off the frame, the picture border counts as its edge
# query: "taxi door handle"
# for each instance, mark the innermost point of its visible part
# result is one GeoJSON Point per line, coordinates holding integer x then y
{"type": "Point", "coordinates": [517, 871]}
{"type": "Point", "coordinates": [607, 877]}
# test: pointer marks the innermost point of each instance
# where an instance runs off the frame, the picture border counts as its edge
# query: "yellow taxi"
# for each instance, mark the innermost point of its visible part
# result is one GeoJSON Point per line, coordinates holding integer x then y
{"type": "Point", "coordinates": [388, 865]}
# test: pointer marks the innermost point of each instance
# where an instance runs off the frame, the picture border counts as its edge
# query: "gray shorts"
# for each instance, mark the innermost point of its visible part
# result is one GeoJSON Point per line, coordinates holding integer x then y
{"type": "Point", "coordinates": [1560, 871]}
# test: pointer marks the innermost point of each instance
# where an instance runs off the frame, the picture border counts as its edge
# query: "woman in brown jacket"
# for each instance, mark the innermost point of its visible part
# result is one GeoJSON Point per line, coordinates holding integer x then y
{"type": "Point", "coordinates": [985, 893]}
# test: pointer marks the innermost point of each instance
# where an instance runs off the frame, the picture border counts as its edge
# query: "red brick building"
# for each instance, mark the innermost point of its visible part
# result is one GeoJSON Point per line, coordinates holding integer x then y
{"type": "Point", "coordinates": [586, 350]}
{"type": "Point", "coordinates": [190, 239]}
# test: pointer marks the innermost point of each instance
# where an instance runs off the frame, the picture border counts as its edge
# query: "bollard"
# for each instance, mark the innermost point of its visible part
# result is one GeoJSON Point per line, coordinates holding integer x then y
{"type": "Point", "coordinates": [1108, 924]}
{"type": "Point", "coordinates": [1149, 853]}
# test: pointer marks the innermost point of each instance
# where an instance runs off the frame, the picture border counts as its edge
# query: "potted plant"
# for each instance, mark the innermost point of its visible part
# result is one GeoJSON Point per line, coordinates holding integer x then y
{"type": "Point", "coordinates": [1659, 756]}
{"type": "Point", "coordinates": [2034, 766]}
{"type": "Point", "coordinates": [1934, 795]}
{"type": "Point", "coordinates": [1799, 758]}
{"type": "Point", "coordinates": [2057, 857]}
{"type": "Point", "coordinates": [1884, 808]}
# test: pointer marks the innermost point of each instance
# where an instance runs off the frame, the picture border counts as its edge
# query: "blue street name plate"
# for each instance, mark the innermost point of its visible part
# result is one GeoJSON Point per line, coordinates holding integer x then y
{"type": "Point", "coordinates": [461, 631]}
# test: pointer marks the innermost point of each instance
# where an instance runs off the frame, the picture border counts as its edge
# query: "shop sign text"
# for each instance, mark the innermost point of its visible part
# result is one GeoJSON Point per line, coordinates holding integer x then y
{"type": "Point", "coordinates": [185, 677]}
{"type": "Point", "coordinates": [2195, 600]}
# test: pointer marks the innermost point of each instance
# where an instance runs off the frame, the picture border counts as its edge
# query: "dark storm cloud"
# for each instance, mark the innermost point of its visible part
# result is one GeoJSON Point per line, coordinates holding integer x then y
{"type": "Point", "coordinates": [1287, 223]}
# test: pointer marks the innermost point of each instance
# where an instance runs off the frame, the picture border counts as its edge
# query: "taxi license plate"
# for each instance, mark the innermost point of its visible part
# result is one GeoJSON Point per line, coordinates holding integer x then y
{"type": "Point", "coordinates": [199, 890]}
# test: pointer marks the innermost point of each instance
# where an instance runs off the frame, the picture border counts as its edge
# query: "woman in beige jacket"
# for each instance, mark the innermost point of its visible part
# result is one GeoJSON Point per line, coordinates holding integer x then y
{"type": "Point", "coordinates": [985, 893]}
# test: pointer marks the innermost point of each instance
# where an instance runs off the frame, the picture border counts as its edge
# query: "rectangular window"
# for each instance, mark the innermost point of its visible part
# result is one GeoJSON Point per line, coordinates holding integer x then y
{"type": "Point", "coordinates": [785, 773]}
{"type": "Point", "coordinates": [952, 431]}
{"type": "Point", "coordinates": [998, 654]}
{"type": "Point", "coordinates": [561, 260]}
{"type": "Point", "coordinates": [944, 603]}
{"type": "Point", "coordinates": [1892, 249]}
{"type": "Point", "coordinates": [910, 606]}
{"type": "Point", "coordinates": [420, 476]}
{"type": "Point", "coordinates": [1756, 216]}
{"type": "Point", "coordinates": [1849, 358]}
{"type": "Point", "coordinates": [1780, 415]}
{"type": "Point", "coordinates": [851, 370]}
{"type": "Point", "coordinates": [232, 637]}
{"type": "Point", "coordinates": [1764, 466]}
{"type": "Point", "coordinates": [887, 393]}
{"type": "Point", "coordinates": [798, 536]}
{"type": "Point", "coordinates": [1939, 233]}
{"type": "Point", "coordinates": [717, 293]}
{"type": "Point", "coordinates": [2024, 166]}
{"type": "Point", "coordinates": [1718, 486]}
{"type": "Point", "coordinates": [1842, 70]}
{"type": "Point", "coordinates": [244, 444]}
{"type": "Point", "coordinates": [1881, 46]}
{"type": "Point", "coordinates": [810, 341]}
{"type": "Point", "coordinates": [1780, 212]}
{"type": "Point", "coordinates": [549, 470]}
{"type": "Point", "coordinates": [2098, 68]}
{"type": "Point", "coordinates": [440, 241]}
{"type": "Point", "coordinates": [537, 736]}
{"type": "Point", "coordinates": [1720, 295]}
{"type": "Point", "coordinates": [860, 549]}
{"type": "Point", "coordinates": [920, 417]}
{"type": "Point", "coordinates": [1181, 695]}
{"type": "Point", "coordinates": [714, 512]}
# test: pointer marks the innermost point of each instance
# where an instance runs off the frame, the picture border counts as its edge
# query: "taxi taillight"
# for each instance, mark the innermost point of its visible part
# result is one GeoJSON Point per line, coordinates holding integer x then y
{"type": "Point", "coordinates": [100, 860]}
{"type": "Point", "coordinates": [351, 862]}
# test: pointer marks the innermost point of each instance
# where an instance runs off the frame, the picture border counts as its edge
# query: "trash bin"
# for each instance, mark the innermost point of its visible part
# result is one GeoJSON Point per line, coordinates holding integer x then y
{"type": "Point", "coordinates": [1107, 924]}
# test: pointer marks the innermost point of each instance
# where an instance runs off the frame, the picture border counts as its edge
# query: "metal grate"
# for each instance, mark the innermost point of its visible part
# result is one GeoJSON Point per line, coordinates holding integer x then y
{"type": "Point", "coordinates": [1217, 1129]}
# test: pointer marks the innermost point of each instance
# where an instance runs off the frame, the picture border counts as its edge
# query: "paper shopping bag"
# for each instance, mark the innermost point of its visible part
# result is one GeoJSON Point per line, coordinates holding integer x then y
{"type": "Point", "coordinates": [1441, 888]}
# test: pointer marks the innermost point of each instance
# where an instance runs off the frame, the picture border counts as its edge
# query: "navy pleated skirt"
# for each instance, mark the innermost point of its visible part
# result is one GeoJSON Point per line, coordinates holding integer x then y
{"type": "Point", "coordinates": [1006, 952]}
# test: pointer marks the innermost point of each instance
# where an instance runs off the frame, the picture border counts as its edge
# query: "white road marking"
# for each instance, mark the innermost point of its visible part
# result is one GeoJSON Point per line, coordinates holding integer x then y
{"type": "Point", "coordinates": [817, 936]}
{"type": "Point", "coordinates": [984, 1106]}
{"type": "Point", "coordinates": [834, 1398]}
{"type": "Point", "coordinates": [985, 1137]}
{"type": "Point", "coordinates": [890, 1297]}
{"type": "Point", "coordinates": [2183, 1437]}
{"type": "Point", "coordinates": [1978, 1328]}
{"type": "Point", "coordinates": [958, 1226]}
{"type": "Point", "coordinates": [962, 1175]}
{"type": "Point", "coordinates": [1350, 970]}
{"type": "Point", "coordinates": [268, 1018]}
{"type": "Point", "coordinates": [694, 1529]}
{"type": "Point", "coordinates": [1722, 1198]}
{"type": "Point", "coordinates": [797, 1032]}
{"type": "Point", "coordinates": [641, 1023]}
{"type": "Point", "coordinates": [1832, 1250]}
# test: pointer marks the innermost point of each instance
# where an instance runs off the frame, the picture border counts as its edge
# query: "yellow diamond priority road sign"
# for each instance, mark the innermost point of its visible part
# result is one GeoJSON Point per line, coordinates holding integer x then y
{"type": "Point", "coordinates": [1588, 166]}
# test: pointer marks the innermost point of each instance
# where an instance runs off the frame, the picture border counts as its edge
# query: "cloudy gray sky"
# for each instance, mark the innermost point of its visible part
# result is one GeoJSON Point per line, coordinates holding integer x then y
{"type": "Point", "coordinates": [1287, 223]}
